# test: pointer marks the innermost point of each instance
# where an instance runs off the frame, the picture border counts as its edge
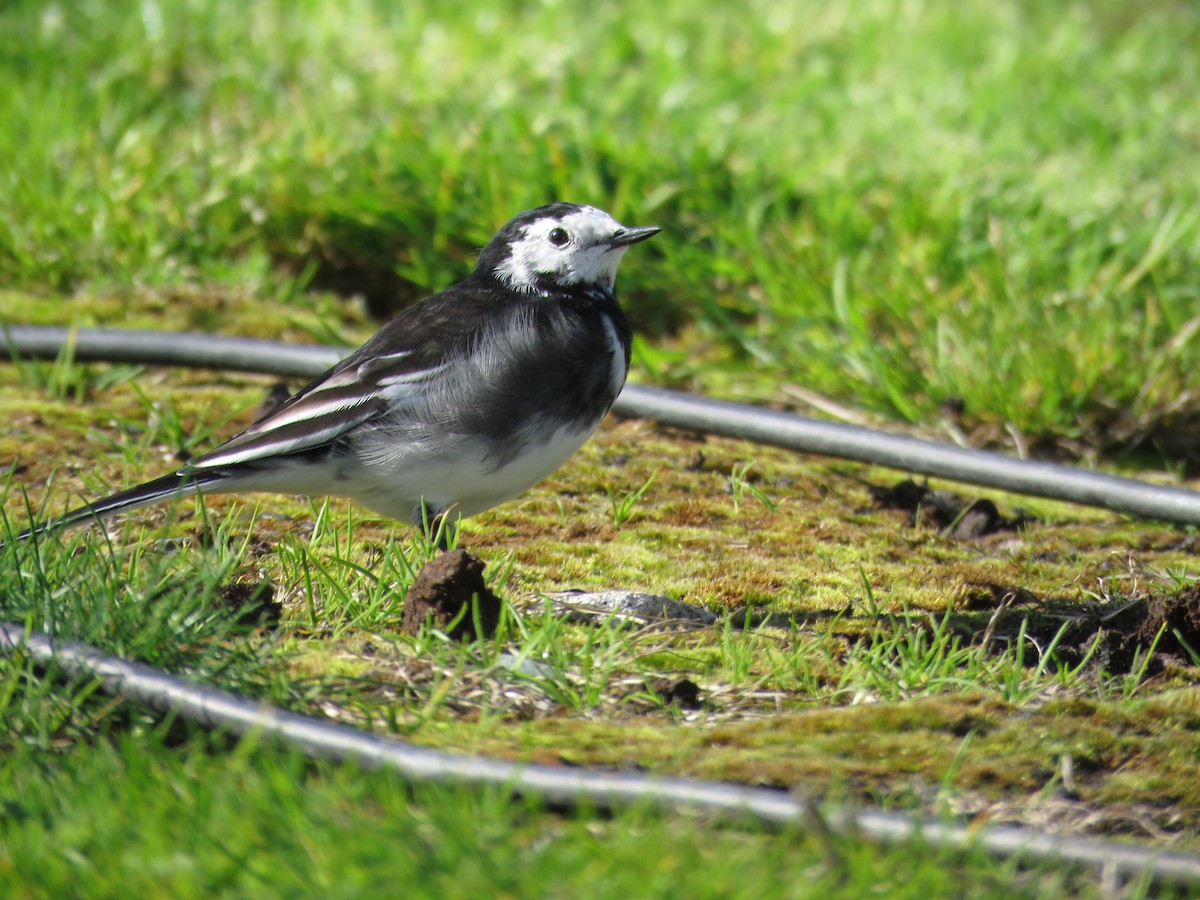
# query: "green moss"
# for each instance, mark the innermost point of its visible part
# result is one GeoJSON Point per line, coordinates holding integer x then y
{"type": "Point", "coordinates": [851, 596]}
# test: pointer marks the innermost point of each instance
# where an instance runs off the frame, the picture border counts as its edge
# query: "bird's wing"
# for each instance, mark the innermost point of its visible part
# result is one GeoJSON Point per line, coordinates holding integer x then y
{"type": "Point", "coordinates": [401, 361]}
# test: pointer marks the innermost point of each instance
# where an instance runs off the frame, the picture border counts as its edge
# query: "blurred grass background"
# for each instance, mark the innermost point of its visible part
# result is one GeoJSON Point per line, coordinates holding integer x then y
{"type": "Point", "coordinates": [981, 212]}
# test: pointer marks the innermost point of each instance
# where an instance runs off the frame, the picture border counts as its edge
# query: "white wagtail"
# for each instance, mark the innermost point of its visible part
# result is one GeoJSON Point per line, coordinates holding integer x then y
{"type": "Point", "coordinates": [460, 402]}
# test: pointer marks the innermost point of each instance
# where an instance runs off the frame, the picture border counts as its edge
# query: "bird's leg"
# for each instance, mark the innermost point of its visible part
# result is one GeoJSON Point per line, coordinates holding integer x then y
{"type": "Point", "coordinates": [438, 525]}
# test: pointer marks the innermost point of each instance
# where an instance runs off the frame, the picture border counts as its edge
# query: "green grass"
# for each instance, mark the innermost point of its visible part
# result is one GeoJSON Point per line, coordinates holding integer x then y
{"type": "Point", "coordinates": [96, 794]}
{"type": "Point", "coordinates": [876, 660]}
{"type": "Point", "coordinates": [885, 705]}
{"type": "Point", "coordinates": [981, 218]}
{"type": "Point", "coordinates": [132, 816]}
{"type": "Point", "coordinates": [981, 204]}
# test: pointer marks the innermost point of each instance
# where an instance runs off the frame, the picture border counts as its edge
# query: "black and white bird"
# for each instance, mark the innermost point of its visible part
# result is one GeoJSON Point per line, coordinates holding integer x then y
{"type": "Point", "coordinates": [461, 402]}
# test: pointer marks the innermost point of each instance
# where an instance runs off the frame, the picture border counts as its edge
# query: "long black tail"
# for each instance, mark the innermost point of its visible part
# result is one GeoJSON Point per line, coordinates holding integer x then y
{"type": "Point", "coordinates": [177, 485]}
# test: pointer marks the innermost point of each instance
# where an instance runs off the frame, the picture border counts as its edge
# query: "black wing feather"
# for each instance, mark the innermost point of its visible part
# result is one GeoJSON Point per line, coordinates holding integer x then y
{"type": "Point", "coordinates": [422, 339]}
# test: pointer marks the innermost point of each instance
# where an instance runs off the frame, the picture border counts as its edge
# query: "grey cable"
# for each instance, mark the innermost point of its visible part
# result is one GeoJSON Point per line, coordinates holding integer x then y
{"type": "Point", "coordinates": [779, 429]}
{"type": "Point", "coordinates": [214, 709]}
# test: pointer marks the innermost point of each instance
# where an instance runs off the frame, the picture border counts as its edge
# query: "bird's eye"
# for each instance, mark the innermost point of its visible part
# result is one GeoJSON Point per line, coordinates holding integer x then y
{"type": "Point", "coordinates": [559, 237]}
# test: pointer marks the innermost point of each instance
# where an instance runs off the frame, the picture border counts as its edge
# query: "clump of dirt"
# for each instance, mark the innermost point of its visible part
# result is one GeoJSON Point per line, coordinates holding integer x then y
{"type": "Point", "coordinates": [444, 591]}
{"type": "Point", "coordinates": [1125, 631]}
{"type": "Point", "coordinates": [955, 516]}
{"type": "Point", "coordinates": [253, 602]}
{"type": "Point", "coordinates": [1137, 625]}
{"type": "Point", "coordinates": [683, 692]}
{"type": "Point", "coordinates": [992, 595]}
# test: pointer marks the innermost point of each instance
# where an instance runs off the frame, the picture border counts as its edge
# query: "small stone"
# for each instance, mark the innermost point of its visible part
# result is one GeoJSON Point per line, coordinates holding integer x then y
{"type": "Point", "coordinates": [526, 667]}
{"type": "Point", "coordinates": [584, 606]}
{"type": "Point", "coordinates": [979, 519]}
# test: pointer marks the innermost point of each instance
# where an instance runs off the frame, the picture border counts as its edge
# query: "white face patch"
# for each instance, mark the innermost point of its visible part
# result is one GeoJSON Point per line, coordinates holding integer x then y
{"type": "Point", "coordinates": [573, 250]}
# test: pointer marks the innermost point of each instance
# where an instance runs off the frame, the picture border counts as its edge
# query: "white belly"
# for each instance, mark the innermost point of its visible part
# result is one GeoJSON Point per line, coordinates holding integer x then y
{"type": "Point", "coordinates": [459, 478]}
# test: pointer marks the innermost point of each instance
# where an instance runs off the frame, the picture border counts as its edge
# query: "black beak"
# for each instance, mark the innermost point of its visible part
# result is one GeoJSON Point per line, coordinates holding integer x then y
{"type": "Point", "coordinates": [627, 236]}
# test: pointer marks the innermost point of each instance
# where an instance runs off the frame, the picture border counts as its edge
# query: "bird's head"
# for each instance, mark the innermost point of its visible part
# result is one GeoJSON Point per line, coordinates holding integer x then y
{"type": "Point", "coordinates": [560, 246]}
